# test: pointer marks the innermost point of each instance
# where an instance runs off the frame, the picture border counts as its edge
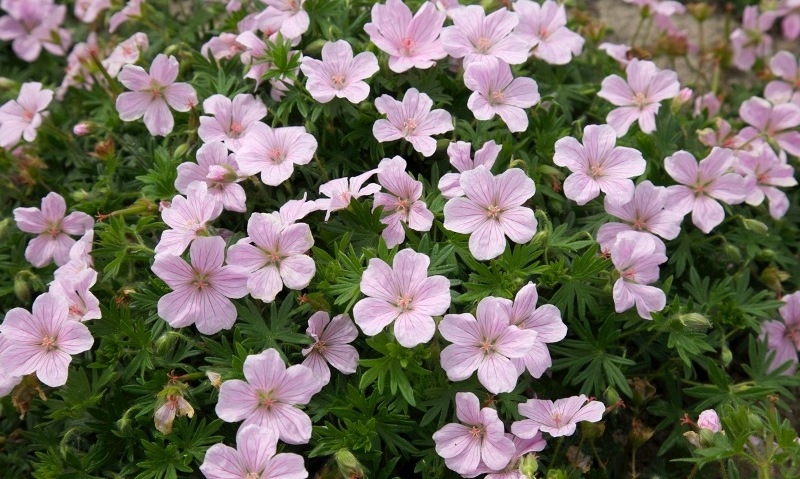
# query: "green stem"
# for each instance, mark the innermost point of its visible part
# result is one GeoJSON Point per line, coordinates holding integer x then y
{"type": "Point", "coordinates": [555, 452]}
{"type": "Point", "coordinates": [636, 33]}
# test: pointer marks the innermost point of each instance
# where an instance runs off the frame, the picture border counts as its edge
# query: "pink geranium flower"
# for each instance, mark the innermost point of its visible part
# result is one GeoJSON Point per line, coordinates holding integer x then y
{"type": "Point", "coordinates": [485, 344]}
{"type": "Point", "coordinates": [709, 420]}
{"type": "Point", "coordinates": [479, 438]}
{"type": "Point", "coordinates": [339, 74]}
{"type": "Point", "coordinates": [475, 36]}
{"type": "Point", "coordinates": [289, 14]}
{"type": "Point", "coordinates": [765, 170]}
{"type": "Point", "coordinates": [7, 381]}
{"type": "Point", "coordinates": [636, 257]}
{"type": "Point", "coordinates": [44, 341]}
{"type": "Point", "coordinates": [411, 42]}
{"type": "Point", "coordinates": [778, 123]}
{"type": "Point", "coordinates": [411, 119]}
{"type": "Point", "coordinates": [331, 345]}
{"type": "Point", "coordinates": [54, 230]}
{"type": "Point", "coordinates": [132, 9]}
{"type": "Point", "coordinates": [639, 98]}
{"type": "Point", "coordinates": [273, 152]}
{"type": "Point", "coordinates": [153, 94]}
{"type": "Point", "coordinates": [492, 210]}
{"type": "Point", "coordinates": [618, 51]}
{"type": "Point", "coordinates": [402, 203]}
{"type": "Point", "coordinates": [648, 211]}
{"type": "Point", "coordinates": [232, 120]}
{"type": "Point", "coordinates": [402, 294]}
{"type": "Point", "coordinates": [497, 92]}
{"type": "Point", "coordinates": [341, 191]}
{"type": "Point", "coordinates": [752, 39]}
{"type": "Point", "coordinates": [545, 320]}
{"type": "Point", "coordinates": [598, 165]}
{"type": "Point", "coordinates": [459, 154]}
{"type": "Point", "coordinates": [702, 184]}
{"type": "Point", "coordinates": [83, 305]}
{"type": "Point", "coordinates": [254, 457]}
{"type": "Point", "coordinates": [557, 418]}
{"type": "Point", "coordinates": [295, 210]}
{"type": "Point", "coordinates": [783, 337]}
{"type": "Point", "coordinates": [521, 448]}
{"type": "Point", "coordinates": [545, 28]}
{"type": "Point", "coordinates": [188, 218]}
{"type": "Point", "coordinates": [723, 136]}
{"type": "Point", "coordinates": [21, 118]}
{"type": "Point", "coordinates": [787, 89]}
{"type": "Point", "coordinates": [33, 25]}
{"type": "Point", "coordinates": [222, 46]}
{"type": "Point", "coordinates": [268, 398]}
{"type": "Point", "coordinates": [275, 255]}
{"type": "Point", "coordinates": [201, 290]}
{"type": "Point", "coordinates": [219, 171]}
{"type": "Point", "coordinates": [80, 258]}
{"type": "Point", "coordinates": [790, 25]}
{"type": "Point", "coordinates": [126, 53]}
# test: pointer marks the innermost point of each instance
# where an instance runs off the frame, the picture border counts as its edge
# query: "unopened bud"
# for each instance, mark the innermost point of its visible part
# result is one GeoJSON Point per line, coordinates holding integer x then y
{"type": "Point", "coordinates": [80, 195]}
{"type": "Point", "coordinates": [682, 98]}
{"type": "Point", "coordinates": [314, 48]}
{"type": "Point", "coordinates": [181, 150]}
{"type": "Point", "coordinates": [4, 227]}
{"type": "Point", "coordinates": [593, 430]}
{"type": "Point", "coordinates": [7, 84]}
{"type": "Point", "coordinates": [727, 356]}
{"type": "Point", "coordinates": [528, 466]}
{"type": "Point", "coordinates": [732, 252]}
{"type": "Point", "coordinates": [709, 420]}
{"type": "Point", "coordinates": [556, 474]}
{"type": "Point", "coordinates": [165, 342]}
{"type": "Point", "coordinates": [83, 128]}
{"type": "Point", "coordinates": [695, 322]}
{"type": "Point", "coordinates": [21, 289]}
{"type": "Point", "coordinates": [773, 277]}
{"type": "Point", "coordinates": [755, 226]}
{"type": "Point", "coordinates": [348, 464]}
{"type": "Point", "coordinates": [214, 378]}
{"type": "Point", "coordinates": [611, 396]}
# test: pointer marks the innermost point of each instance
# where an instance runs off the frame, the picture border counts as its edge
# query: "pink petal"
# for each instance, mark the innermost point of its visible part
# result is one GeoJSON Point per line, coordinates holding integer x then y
{"type": "Point", "coordinates": [237, 401]}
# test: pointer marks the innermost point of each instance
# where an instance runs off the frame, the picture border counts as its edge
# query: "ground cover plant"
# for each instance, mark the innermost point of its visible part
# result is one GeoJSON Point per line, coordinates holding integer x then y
{"type": "Point", "coordinates": [282, 239]}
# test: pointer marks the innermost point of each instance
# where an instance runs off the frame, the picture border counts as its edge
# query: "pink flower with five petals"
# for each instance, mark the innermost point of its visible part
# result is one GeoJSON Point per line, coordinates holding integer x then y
{"type": "Point", "coordinates": [411, 119]}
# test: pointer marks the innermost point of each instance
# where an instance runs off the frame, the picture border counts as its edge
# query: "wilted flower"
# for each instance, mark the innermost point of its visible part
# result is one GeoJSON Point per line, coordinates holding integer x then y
{"type": "Point", "coordinates": [557, 418]}
{"type": "Point", "coordinates": [173, 404]}
{"type": "Point", "coordinates": [411, 42]}
{"type": "Point", "coordinates": [485, 344]}
{"type": "Point", "coordinates": [153, 93]}
{"type": "Point", "coordinates": [53, 228]}
{"type": "Point", "coordinates": [339, 74]}
{"type": "Point", "coordinates": [402, 294]}
{"type": "Point", "coordinates": [21, 118]}
{"type": "Point", "coordinates": [269, 396]}
{"type": "Point", "coordinates": [411, 119]}
{"type": "Point", "coordinates": [480, 438]}
{"type": "Point", "coordinates": [332, 340]}
{"type": "Point", "coordinates": [497, 92]}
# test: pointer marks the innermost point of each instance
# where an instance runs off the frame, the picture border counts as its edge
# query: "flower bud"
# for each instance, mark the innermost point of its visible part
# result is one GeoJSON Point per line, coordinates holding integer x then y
{"type": "Point", "coordinates": [165, 342]}
{"type": "Point", "coordinates": [727, 356]}
{"type": "Point", "coordinates": [214, 378]}
{"type": "Point", "coordinates": [348, 464]}
{"type": "Point", "coordinates": [695, 322]}
{"type": "Point", "coordinates": [732, 252]}
{"type": "Point", "coordinates": [556, 474]}
{"type": "Point", "coordinates": [684, 96]}
{"type": "Point", "coordinates": [181, 150]}
{"type": "Point", "coordinates": [773, 277]}
{"type": "Point", "coordinates": [709, 420]}
{"type": "Point", "coordinates": [693, 438]}
{"type": "Point", "coordinates": [611, 396]}
{"type": "Point", "coordinates": [593, 430]}
{"type": "Point", "coordinates": [83, 128]}
{"type": "Point", "coordinates": [528, 466]}
{"type": "Point", "coordinates": [755, 226]}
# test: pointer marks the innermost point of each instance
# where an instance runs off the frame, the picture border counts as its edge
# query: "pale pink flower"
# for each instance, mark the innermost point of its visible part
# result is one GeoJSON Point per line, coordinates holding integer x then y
{"type": "Point", "coordinates": [54, 230]}
{"type": "Point", "coordinates": [647, 211]}
{"type": "Point", "coordinates": [232, 120]}
{"type": "Point", "coordinates": [339, 74]}
{"type": "Point", "coordinates": [479, 438]}
{"type": "Point", "coordinates": [790, 26]}
{"type": "Point", "coordinates": [273, 152]}
{"type": "Point", "coordinates": [783, 337]}
{"type": "Point", "coordinates": [411, 119]}
{"type": "Point", "coordinates": [80, 66]}
{"type": "Point", "coordinates": [545, 320]}
{"type": "Point", "coordinates": [219, 171]}
{"type": "Point", "coordinates": [619, 52]}
{"type": "Point", "coordinates": [331, 345]}
{"type": "Point", "coordinates": [293, 19]}
{"type": "Point", "coordinates": [702, 184]}
{"type": "Point", "coordinates": [341, 191]}
{"type": "Point", "coordinates": [7, 381]}
{"type": "Point", "coordinates": [459, 154]}
{"type": "Point", "coordinates": [222, 47]}
{"type": "Point", "coordinates": [44, 341]}
{"type": "Point", "coordinates": [402, 294]}
{"type": "Point", "coordinates": [201, 290]}
{"type": "Point", "coordinates": [486, 344]}
{"type": "Point", "coordinates": [402, 203]}
{"type": "Point", "coordinates": [475, 36]}
{"type": "Point", "coordinates": [492, 210]}
{"type": "Point", "coordinates": [709, 420]}
{"type": "Point", "coordinates": [132, 9]}
{"type": "Point", "coordinates": [268, 397]}
{"type": "Point", "coordinates": [88, 10]}
{"type": "Point", "coordinates": [658, 7]}
{"type": "Point", "coordinates": [787, 89]}
{"type": "Point", "coordinates": [766, 171]}
{"type": "Point", "coordinates": [33, 25]}
{"type": "Point", "coordinates": [126, 53]}
{"type": "Point", "coordinates": [521, 448]}
{"type": "Point", "coordinates": [639, 98]}
{"type": "Point", "coordinates": [79, 258]}
{"type": "Point", "coordinates": [20, 118]}
{"type": "Point", "coordinates": [83, 305]}
{"type": "Point", "coordinates": [411, 42]}
{"type": "Point", "coordinates": [557, 418]}
{"type": "Point", "coordinates": [258, 61]}
{"type": "Point", "coordinates": [295, 210]}
{"type": "Point", "coordinates": [709, 102]}
{"type": "Point", "coordinates": [497, 92]}
{"type": "Point", "coordinates": [636, 257]}
{"type": "Point", "coordinates": [545, 27]}
{"type": "Point", "coordinates": [723, 136]}
{"type": "Point", "coordinates": [778, 123]}
{"type": "Point", "coordinates": [274, 255]}
{"type": "Point", "coordinates": [188, 218]}
{"type": "Point", "coordinates": [153, 94]}
{"type": "Point", "coordinates": [598, 165]}
{"type": "Point", "coordinates": [752, 39]}
{"type": "Point", "coordinates": [254, 457]}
